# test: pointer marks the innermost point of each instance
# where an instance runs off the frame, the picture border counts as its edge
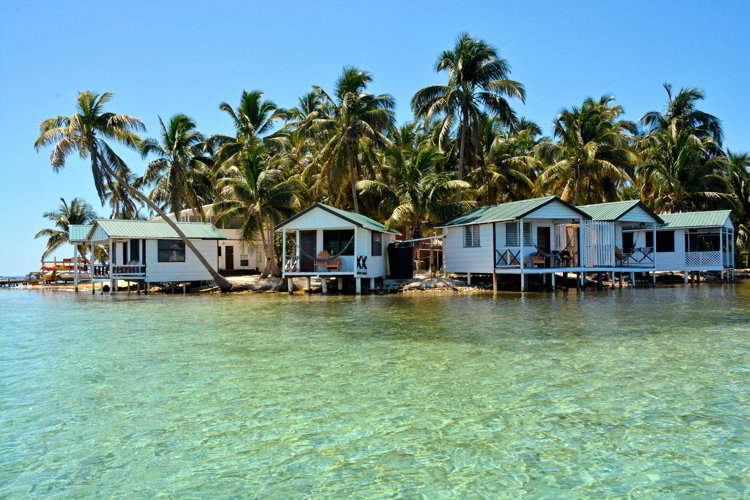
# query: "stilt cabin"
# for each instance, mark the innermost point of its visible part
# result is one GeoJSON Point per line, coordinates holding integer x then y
{"type": "Point", "coordinates": [690, 241]}
{"type": "Point", "coordinates": [151, 251]}
{"type": "Point", "coordinates": [325, 241]}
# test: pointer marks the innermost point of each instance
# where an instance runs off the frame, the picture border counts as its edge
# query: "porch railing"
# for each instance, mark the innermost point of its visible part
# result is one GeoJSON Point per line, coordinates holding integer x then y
{"type": "Point", "coordinates": [708, 259]}
{"type": "Point", "coordinates": [638, 257]}
{"type": "Point", "coordinates": [101, 271]}
{"type": "Point", "coordinates": [508, 257]}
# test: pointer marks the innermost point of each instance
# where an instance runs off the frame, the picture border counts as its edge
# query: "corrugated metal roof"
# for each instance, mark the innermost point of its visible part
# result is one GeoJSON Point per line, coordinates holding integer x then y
{"type": "Point", "coordinates": [506, 211]}
{"type": "Point", "coordinates": [354, 218]}
{"type": "Point", "coordinates": [713, 218]}
{"type": "Point", "coordinates": [151, 229]}
{"type": "Point", "coordinates": [78, 232]}
{"type": "Point", "coordinates": [613, 210]}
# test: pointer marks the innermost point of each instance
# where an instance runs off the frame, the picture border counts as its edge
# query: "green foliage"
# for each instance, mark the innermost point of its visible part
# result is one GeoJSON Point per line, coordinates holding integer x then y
{"type": "Point", "coordinates": [78, 212]}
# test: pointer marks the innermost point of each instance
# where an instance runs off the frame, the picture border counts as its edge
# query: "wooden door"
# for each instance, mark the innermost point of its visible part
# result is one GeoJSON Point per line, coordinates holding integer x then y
{"type": "Point", "coordinates": [543, 239]}
{"type": "Point", "coordinates": [229, 258]}
{"type": "Point", "coordinates": [308, 242]}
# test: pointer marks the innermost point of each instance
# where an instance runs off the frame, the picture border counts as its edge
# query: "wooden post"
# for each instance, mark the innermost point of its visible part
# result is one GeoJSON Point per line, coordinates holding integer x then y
{"type": "Point", "coordinates": [323, 285]}
{"type": "Point", "coordinates": [520, 231]}
{"type": "Point", "coordinates": [494, 282]}
{"type": "Point", "coordinates": [308, 283]}
{"type": "Point", "coordinates": [283, 252]}
{"type": "Point", "coordinates": [372, 284]}
{"type": "Point", "coordinates": [685, 275]}
{"type": "Point", "coordinates": [184, 289]}
{"type": "Point", "coordinates": [632, 279]}
{"type": "Point", "coordinates": [468, 278]}
{"type": "Point", "coordinates": [621, 279]}
{"type": "Point", "coordinates": [578, 281]}
{"type": "Point", "coordinates": [553, 282]}
{"type": "Point", "coordinates": [290, 285]}
{"type": "Point", "coordinates": [612, 284]}
{"type": "Point", "coordinates": [358, 286]}
{"type": "Point", "coordinates": [599, 284]}
{"type": "Point", "coordinates": [146, 287]}
{"type": "Point", "coordinates": [654, 277]}
{"type": "Point", "coordinates": [93, 284]}
{"type": "Point", "coordinates": [75, 266]}
{"type": "Point", "coordinates": [340, 283]}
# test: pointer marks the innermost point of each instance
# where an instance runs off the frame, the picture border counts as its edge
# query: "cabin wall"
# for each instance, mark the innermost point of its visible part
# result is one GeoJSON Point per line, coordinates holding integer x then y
{"type": "Point", "coordinates": [637, 214]}
{"type": "Point", "coordinates": [318, 219]}
{"type": "Point", "coordinates": [242, 251]}
{"type": "Point", "coordinates": [665, 261]}
{"type": "Point", "coordinates": [458, 259]}
{"type": "Point", "coordinates": [190, 270]}
{"type": "Point", "coordinates": [555, 210]}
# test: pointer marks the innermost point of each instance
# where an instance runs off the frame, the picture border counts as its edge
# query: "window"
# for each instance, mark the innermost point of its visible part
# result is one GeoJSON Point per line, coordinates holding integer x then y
{"type": "Point", "coordinates": [125, 259]}
{"type": "Point", "coordinates": [471, 236]}
{"type": "Point", "coordinates": [527, 234]}
{"type": "Point", "coordinates": [244, 262]}
{"type": "Point", "coordinates": [377, 244]}
{"type": "Point", "coordinates": [511, 234]}
{"type": "Point", "coordinates": [337, 241]}
{"type": "Point", "coordinates": [135, 248]}
{"type": "Point", "coordinates": [171, 251]}
{"type": "Point", "coordinates": [627, 241]}
{"type": "Point", "coordinates": [219, 250]}
{"type": "Point", "coordinates": [144, 251]}
{"type": "Point", "coordinates": [113, 251]}
{"type": "Point", "coordinates": [664, 240]}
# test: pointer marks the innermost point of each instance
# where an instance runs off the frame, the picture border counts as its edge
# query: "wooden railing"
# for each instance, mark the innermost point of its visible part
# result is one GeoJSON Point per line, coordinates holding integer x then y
{"type": "Point", "coordinates": [637, 257]}
{"type": "Point", "coordinates": [101, 271]}
{"type": "Point", "coordinates": [508, 257]}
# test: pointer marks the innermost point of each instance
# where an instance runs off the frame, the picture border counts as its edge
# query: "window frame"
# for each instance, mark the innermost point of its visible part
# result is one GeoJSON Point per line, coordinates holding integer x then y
{"type": "Point", "coordinates": [472, 236]}
{"type": "Point", "coordinates": [159, 251]}
{"type": "Point", "coordinates": [340, 242]}
{"type": "Point", "coordinates": [376, 244]}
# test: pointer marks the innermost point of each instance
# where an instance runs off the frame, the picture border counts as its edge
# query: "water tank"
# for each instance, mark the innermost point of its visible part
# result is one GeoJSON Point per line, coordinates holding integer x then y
{"type": "Point", "coordinates": [401, 260]}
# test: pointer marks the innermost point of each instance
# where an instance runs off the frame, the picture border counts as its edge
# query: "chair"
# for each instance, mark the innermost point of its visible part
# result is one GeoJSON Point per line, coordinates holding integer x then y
{"type": "Point", "coordinates": [538, 260]}
{"type": "Point", "coordinates": [326, 262]}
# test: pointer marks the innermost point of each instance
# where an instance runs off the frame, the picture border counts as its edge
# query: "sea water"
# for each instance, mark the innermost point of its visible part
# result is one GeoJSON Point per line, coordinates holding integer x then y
{"type": "Point", "coordinates": [618, 393]}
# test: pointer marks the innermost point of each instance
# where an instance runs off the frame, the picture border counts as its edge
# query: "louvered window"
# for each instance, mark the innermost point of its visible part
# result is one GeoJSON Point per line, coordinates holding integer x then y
{"type": "Point", "coordinates": [511, 234]}
{"type": "Point", "coordinates": [471, 236]}
{"type": "Point", "coordinates": [527, 234]}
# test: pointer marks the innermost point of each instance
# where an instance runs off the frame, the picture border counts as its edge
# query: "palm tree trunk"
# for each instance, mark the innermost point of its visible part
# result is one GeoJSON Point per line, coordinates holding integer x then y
{"type": "Point", "coordinates": [578, 185]}
{"type": "Point", "coordinates": [462, 145]}
{"type": "Point", "coordinates": [269, 268]}
{"type": "Point", "coordinates": [354, 182]}
{"type": "Point", "coordinates": [223, 283]}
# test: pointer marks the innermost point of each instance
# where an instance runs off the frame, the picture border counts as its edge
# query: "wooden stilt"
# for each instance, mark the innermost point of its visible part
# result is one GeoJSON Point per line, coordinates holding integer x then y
{"type": "Point", "coordinates": [468, 278]}
{"type": "Point", "coordinates": [632, 279]}
{"type": "Point", "coordinates": [372, 285]}
{"type": "Point", "coordinates": [323, 285]}
{"type": "Point", "coordinates": [358, 286]}
{"type": "Point", "coordinates": [290, 285]}
{"type": "Point", "coordinates": [553, 281]}
{"type": "Point", "coordinates": [308, 283]}
{"type": "Point", "coordinates": [494, 282]}
{"type": "Point", "coordinates": [340, 284]}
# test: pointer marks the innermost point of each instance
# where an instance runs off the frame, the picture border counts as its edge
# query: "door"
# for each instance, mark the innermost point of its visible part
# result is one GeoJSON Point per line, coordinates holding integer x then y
{"type": "Point", "coordinates": [229, 258]}
{"type": "Point", "coordinates": [308, 245]}
{"type": "Point", "coordinates": [543, 239]}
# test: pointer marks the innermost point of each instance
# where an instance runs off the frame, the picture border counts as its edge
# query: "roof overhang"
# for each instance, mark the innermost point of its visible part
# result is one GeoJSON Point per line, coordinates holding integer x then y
{"type": "Point", "coordinates": [332, 212]}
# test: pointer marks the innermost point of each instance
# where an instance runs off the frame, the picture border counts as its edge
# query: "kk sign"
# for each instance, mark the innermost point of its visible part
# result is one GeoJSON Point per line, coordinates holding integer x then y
{"type": "Point", "coordinates": [362, 264]}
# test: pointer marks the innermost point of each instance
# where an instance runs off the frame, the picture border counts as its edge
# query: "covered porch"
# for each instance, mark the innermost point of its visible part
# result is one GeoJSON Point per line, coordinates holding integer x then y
{"type": "Point", "coordinates": [709, 249]}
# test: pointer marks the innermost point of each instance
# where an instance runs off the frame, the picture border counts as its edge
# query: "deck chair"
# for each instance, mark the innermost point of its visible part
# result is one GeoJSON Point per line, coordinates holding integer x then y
{"type": "Point", "coordinates": [325, 262]}
{"type": "Point", "coordinates": [292, 264]}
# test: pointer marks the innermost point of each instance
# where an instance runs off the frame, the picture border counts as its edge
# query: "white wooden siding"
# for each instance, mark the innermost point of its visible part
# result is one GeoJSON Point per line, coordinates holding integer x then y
{"type": "Point", "coordinates": [242, 251]}
{"type": "Point", "coordinates": [190, 270]}
{"type": "Point", "coordinates": [637, 214]}
{"type": "Point", "coordinates": [468, 260]}
{"type": "Point", "coordinates": [317, 218]}
{"type": "Point", "coordinates": [553, 210]}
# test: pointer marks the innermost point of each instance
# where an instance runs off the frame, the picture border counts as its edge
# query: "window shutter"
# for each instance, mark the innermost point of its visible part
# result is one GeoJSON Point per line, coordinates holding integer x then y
{"type": "Point", "coordinates": [468, 236]}
{"type": "Point", "coordinates": [475, 241]}
{"type": "Point", "coordinates": [511, 234]}
{"type": "Point", "coordinates": [527, 234]}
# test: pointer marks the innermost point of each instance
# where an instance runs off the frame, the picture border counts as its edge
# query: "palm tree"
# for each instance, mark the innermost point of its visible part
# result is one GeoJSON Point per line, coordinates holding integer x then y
{"type": "Point", "coordinates": [357, 121]}
{"type": "Point", "coordinates": [119, 197]}
{"type": "Point", "coordinates": [180, 171]}
{"type": "Point", "coordinates": [592, 148]}
{"type": "Point", "coordinates": [477, 77]}
{"type": "Point", "coordinates": [681, 114]}
{"type": "Point", "coordinates": [78, 212]}
{"type": "Point", "coordinates": [85, 133]}
{"type": "Point", "coordinates": [261, 195]}
{"type": "Point", "coordinates": [680, 173]}
{"type": "Point", "coordinates": [414, 191]}
{"type": "Point", "coordinates": [737, 174]}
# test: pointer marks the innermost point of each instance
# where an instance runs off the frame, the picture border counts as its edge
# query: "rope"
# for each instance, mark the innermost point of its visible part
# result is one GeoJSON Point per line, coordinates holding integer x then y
{"type": "Point", "coordinates": [332, 257]}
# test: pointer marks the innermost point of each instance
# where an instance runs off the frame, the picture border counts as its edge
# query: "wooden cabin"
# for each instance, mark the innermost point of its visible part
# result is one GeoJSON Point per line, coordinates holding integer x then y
{"type": "Point", "coordinates": [536, 236]}
{"type": "Point", "coordinates": [151, 252]}
{"type": "Point", "coordinates": [235, 254]}
{"type": "Point", "coordinates": [328, 242]}
{"type": "Point", "coordinates": [690, 242]}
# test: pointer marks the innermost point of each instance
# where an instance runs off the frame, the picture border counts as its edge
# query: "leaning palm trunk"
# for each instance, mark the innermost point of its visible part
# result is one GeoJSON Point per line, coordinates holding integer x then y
{"type": "Point", "coordinates": [224, 284]}
{"type": "Point", "coordinates": [269, 268]}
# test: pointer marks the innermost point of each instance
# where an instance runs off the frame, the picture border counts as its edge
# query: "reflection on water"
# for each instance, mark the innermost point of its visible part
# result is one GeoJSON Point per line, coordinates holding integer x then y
{"type": "Point", "coordinates": [623, 392]}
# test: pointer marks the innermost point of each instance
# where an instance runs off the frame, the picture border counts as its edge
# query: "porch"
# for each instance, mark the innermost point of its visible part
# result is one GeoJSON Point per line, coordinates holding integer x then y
{"type": "Point", "coordinates": [319, 252]}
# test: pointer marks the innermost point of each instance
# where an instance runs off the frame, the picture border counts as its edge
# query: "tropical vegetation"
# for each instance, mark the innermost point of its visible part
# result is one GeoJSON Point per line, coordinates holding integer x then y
{"type": "Point", "coordinates": [465, 147]}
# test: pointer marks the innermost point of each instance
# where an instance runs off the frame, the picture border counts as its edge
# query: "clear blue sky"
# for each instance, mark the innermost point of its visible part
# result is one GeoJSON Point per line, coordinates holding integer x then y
{"type": "Point", "coordinates": [161, 58]}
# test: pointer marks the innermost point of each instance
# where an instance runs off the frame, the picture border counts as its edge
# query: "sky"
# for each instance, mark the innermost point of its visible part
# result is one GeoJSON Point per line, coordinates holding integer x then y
{"type": "Point", "coordinates": [163, 58]}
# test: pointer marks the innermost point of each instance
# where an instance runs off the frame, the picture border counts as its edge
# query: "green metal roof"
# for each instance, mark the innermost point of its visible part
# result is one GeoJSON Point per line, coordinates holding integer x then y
{"type": "Point", "coordinates": [507, 211]}
{"type": "Point", "coordinates": [354, 218]}
{"type": "Point", "coordinates": [152, 229]}
{"type": "Point", "coordinates": [714, 218]}
{"type": "Point", "coordinates": [614, 210]}
{"type": "Point", "coordinates": [78, 232]}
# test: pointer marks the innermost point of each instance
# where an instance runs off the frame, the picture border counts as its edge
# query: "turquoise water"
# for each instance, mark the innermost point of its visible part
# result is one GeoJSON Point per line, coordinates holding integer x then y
{"type": "Point", "coordinates": [622, 393]}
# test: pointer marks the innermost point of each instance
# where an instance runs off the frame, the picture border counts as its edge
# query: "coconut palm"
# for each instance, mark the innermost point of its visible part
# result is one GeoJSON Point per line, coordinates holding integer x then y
{"type": "Point", "coordinates": [593, 150]}
{"type": "Point", "coordinates": [85, 133]}
{"type": "Point", "coordinates": [682, 114]}
{"type": "Point", "coordinates": [261, 195]}
{"type": "Point", "coordinates": [414, 191]}
{"type": "Point", "coordinates": [180, 171]}
{"type": "Point", "coordinates": [737, 175]}
{"type": "Point", "coordinates": [75, 213]}
{"type": "Point", "coordinates": [477, 77]}
{"type": "Point", "coordinates": [119, 197]}
{"type": "Point", "coordinates": [356, 121]}
{"type": "Point", "coordinates": [680, 173]}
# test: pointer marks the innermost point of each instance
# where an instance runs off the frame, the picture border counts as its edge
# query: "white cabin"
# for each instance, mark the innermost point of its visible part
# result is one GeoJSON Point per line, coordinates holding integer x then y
{"type": "Point", "coordinates": [690, 241]}
{"type": "Point", "coordinates": [234, 253]}
{"type": "Point", "coordinates": [151, 251]}
{"type": "Point", "coordinates": [353, 245]}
